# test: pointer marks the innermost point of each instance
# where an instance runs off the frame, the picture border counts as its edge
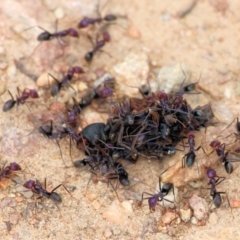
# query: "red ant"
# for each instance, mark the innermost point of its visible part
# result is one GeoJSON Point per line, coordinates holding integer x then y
{"type": "Point", "coordinates": [36, 187]}
{"type": "Point", "coordinates": [86, 21]}
{"type": "Point", "coordinates": [73, 113]}
{"type": "Point", "coordinates": [215, 180]}
{"type": "Point", "coordinates": [160, 196]}
{"type": "Point", "coordinates": [6, 171]}
{"type": "Point", "coordinates": [189, 158]}
{"type": "Point", "coordinates": [99, 44]}
{"type": "Point", "coordinates": [20, 99]}
{"type": "Point", "coordinates": [237, 134]}
{"type": "Point", "coordinates": [65, 80]}
{"type": "Point", "coordinates": [47, 36]}
{"type": "Point", "coordinates": [220, 150]}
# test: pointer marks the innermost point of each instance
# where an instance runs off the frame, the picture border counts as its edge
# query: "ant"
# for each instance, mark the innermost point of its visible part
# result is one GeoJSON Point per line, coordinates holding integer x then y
{"type": "Point", "coordinates": [20, 99]}
{"type": "Point", "coordinates": [86, 21]}
{"type": "Point", "coordinates": [102, 92]}
{"type": "Point", "coordinates": [99, 44]}
{"type": "Point", "coordinates": [160, 196]}
{"type": "Point", "coordinates": [36, 187]}
{"type": "Point", "coordinates": [65, 80]}
{"type": "Point", "coordinates": [47, 36]}
{"type": "Point", "coordinates": [6, 171]}
{"type": "Point", "coordinates": [220, 150]}
{"type": "Point", "coordinates": [215, 180]}
{"type": "Point", "coordinates": [73, 113]}
{"type": "Point", "coordinates": [189, 158]}
{"type": "Point", "coordinates": [237, 134]}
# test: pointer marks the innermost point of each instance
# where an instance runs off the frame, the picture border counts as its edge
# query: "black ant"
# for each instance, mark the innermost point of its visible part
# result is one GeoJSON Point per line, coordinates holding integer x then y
{"type": "Point", "coordinates": [73, 113]}
{"type": "Point", "coordinates": [189, 158]}
{"type": "Point", "coordinates": [109, 18]}
{"type": "Point", "coordinates": [220, 150]}
{"type": "Point", "coordinates": [8, 170]}
{"type": "Point", "coordinates": [36, 187]}
{"type": "Point", "coordinates": [65, 80]}
{"type": "Point", "coordinates": [160, 196]}
{"type": "Point", "coordinates": [20, 99]}
{"type": "Point", "coordinates": [99, 44]}
{"type": "Point", "coordinates": [47, 36]}
{"type": "Point", "coordinates": [215, 180]}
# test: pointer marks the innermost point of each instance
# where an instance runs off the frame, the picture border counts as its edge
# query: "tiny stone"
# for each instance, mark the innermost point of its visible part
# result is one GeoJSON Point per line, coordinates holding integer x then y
{"type": "Point", "coordinates": [235, 203]}
{"type": "Point", "coordinates": [8, 202]}
{"type": "Point", "coordinates": [96, 204]}
{"type": "Point", "coordinates": [44, 80]}
{"type": "Point", "coordinates": [128, 206]}
{"type": "Point", "coordinates": [166, 17]}
{"type": "Point", "coordinates": [168, 217]}
{"type": "Point", "coordinates": [116, 232]}
{"type": "Point", "coordinates": [199, 206]}
{"type": "Point", "coordinates": [11, 71]}
{"type": "Point", "coordinates": [25, 233]}
{"type": "Point", "coordinates": [59, 13]}
{"type": "Point", "coordinates": [194, 221]}
{"type": "Point", "coordinates": [133, 32]}
{"type": "Point", "coordinates": [108, 233]}
{"type": "Point", "coordinates": [185, 215]}
{"type": "Point", "coordinates": [91, 196]}
{"type": "Point", "coordinates": [18, 199]}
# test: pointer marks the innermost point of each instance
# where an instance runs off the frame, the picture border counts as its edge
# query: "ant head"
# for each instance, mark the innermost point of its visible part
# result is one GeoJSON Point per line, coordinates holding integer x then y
{"type": "Point", "coordinates": [215, 144]}
{"type": "Point", "coordinates": [15, 167]}
{"type": "Point", "coordinates": [190, 135]}
{"type": "Point", "coordinates": [29, 184]}
{"type": "Point", "coordinates": [152, 202]}
{"type": "Point", "coordinates": [83, 23]}
{"type": "Point", "coordinates": [162, 95]}
{"type": "Point", "coordinates": [211, 173]}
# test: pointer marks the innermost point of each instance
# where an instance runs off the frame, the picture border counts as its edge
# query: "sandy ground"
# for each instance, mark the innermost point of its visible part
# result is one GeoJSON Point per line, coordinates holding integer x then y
{"type": "Point", "coordinates": [205, 41]}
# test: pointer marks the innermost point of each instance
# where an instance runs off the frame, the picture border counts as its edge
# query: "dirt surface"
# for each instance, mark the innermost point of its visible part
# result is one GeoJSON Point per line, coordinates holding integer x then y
{"type": "Point", "coordinates": [155, 35]}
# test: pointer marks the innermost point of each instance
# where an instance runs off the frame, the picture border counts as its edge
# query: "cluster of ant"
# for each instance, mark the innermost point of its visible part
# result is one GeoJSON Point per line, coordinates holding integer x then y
{"type": "Point", "coordinates": [151, 127]}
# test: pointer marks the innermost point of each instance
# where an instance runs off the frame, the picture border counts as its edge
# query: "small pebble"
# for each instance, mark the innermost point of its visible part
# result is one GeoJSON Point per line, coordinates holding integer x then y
{"type": "Point", "coordinates": [235, 203]}
{"type": "Point", "coordinates": [18, 199]}
{"type": "Point", "coordinates": [116, 232]}
{"type": "Point", "coordinates": [44, 80]}
{"type": "Point", "coordinates": [107, 233]}
{"type": "Point", "coordinates": [194, 221]}
{"type": "Point", "coordinates": [128, 206]}
{"type": "Point", "coordinates": [11, 71]}
{"type": "Point", "coordinates": [185, 215]}
{"type": "Point", "coordinates": [133, 32]}
{"type": "Point", "coordinates": [91, 196]}
{"type": "Point", "coordinates": [199, 206]}
{"type": "Point", "coordinates": [8, 202]}
{"type": "Point", "coordinates": [168, 217]}
{"type": "Point", "coordinates": [59, 13]}
{"type": "Point", "coordinates": [96, 204]}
